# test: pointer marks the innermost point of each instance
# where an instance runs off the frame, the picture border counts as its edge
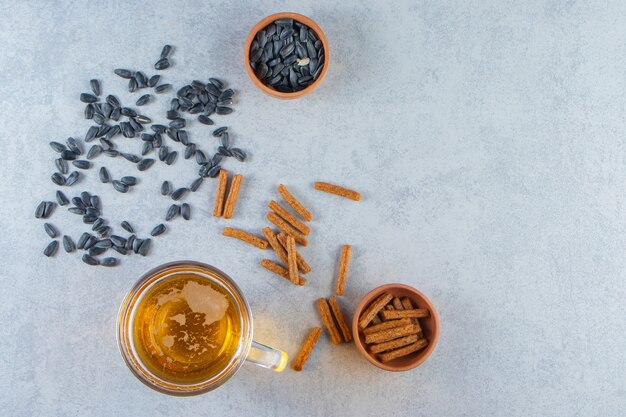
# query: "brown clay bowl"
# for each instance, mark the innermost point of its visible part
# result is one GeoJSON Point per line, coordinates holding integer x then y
{"type": "Point", "coordinates": [430, 327]}
{"type": "Point", "coordinates": [269, 90]}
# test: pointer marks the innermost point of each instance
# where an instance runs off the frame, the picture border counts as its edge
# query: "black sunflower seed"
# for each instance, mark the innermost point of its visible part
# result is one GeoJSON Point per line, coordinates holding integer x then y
{"type": "Point", "coordinates": [239, 154]}
{"type": "Point", "coordinates": [144, 164]}
{"type": "Point", "coordinates": [156, 128]}
{"type": "Point", "coordinates": [111, 153]}
{"type": "Point", "coordinates": [224, 140]}
{"type": "Point", "coordinates": [68, 155]}
{"type": "Point", "coordinates": [51, 249]}
{"type": "Point", "coordinates": [165, 188]}
{"type": "Point", "coordinates": [91, 240]}
{"type": "Point", "coordinates": [158, 229]}
{"type": "Point", "coordinates": [120, 186]}
{"type": "Point", "coordinates": [205, 120]}
{"type": "Point", "coordinates": [118, 241]}
{"type": "Point", "coordinates": [95, 202]}
{"type": "Point", "coordinates": [82, 164]}
{"type": "Point", "coordinates": [172, 212]}
{"type": "Point", "coordinates": [190, 150]}
{"type": "Point", "coordinates": [126, 226]}
{"type": "Point", "coordinates": [178, 194]}
{"type": "Point", "coordinates": [99, 118]}
{"type": "Point", "coordinates": [163, 152]}
{"type": "Point", "coordinates": [61, 165]}
{"type": "Point", "coordinates": [144, 248]}
{"type": "Point", "coordinates": [214, 171]}
{"type": "Point", "coordinates": [89, 218]}
{"type": "Point", "coordinates": [88, 98]}
{"type": "Point", "coordinates": [162, 88]}
{"type": "Point", "coordinates": [142, 119]}
{"type": "Point", "coordinates": [196, 108]}
{"type": "Point", "coordinates": [68, 244]}
{"type": "Point", "coordinates": [171, 157]}
{"type": "Point", "coordinates": [48, 209]}
{"type": "Point", "coordinates": [61, 198]}
{"type": "Point", "coordinates": [82, 240]}
{"type": "Point", "coordinates": [104, 231]}
{"type": "Point", "coordinates": [146, 148]}
{"type": "Point", "coordinates": [113, 131]}
{"type": "Point", "coordinates": [77, 210]}
{"type": "Point", "coordinates": [132, 85]}
{"type": "Point", "coordinates": [174, 104]}
{"type": "Point", "coordinates": [129, 180]}
{"type": "Point", "coordinates": [90, 260]}
{"type": "Point", "coordinates": [218, 132]}
{"type": "Point", "coordinates": [183, 137]}
{"type": "Point", "coordinates": [162, 64]}
{"type": "Point", "coordinates": [219, 84]}
{"type": "Point", "coordinates": [137, 127]}
{"type": "Point", "coordinates": [171, 114]}
{"type": "Point", "coordinates": [185, 211]}
{"type": "Point", "coordinates": [200, 158]}
{"type": "Point", "coordinates": [195, 184]}
{"type": "Point", "coordinates": [58, 179]}
{"type": "Point", "coordinates": [95, 87]}
{"type": "Point", "coordinates": [142, 80]}
{"type": "Point", "coordinates": [97, 224]}
{"type": "Point", "coordinates": [113, 101]}
{"type": "Point", "coordinates": [217, 158]}
{"type": "Point", "coordinates": [226, 94]}
{"type": "Point", "coordinates": [89, 112]}
{"type": "Point", "coordinates": [212, 89]}
{"type": "Point", "coordinates": [104, 175]}
{"type": "Point", "coordinates": [130, 157]}
{"type": "Point", "coordinates": [109, 262]}
{"type": "Point", "coordinates": [96, 251]}
{"type": "Point", "coordinates": [128, 112]}
{"type": "Point", "coordinates": [50, 230]}
{"type": "Point", "coordinates": [177, 123]}
{"type": "Point", "coordinates": [94, 151]}
{"type": "Point", "coordinates": [223, 151]}
{"type": "Point", "coordinates": [154, 80]}
{"type": "Point", "coordinates": [143, 100]}
{"type": "Point", "coordinates": [85, 197]}
{"type": "Point", "coordinates": [124, 73]}
{"type": "Point", "coordinates": [121, 251]}
{"type": "Point", "coordinates": [91, 133]}
{"type": "Point", "coordinates": [78, 202]}
{"type": "Point", "coordinates": [130, 242]}
{"type": "Point", "coordinates": [104, 243]}
{"type": "Point", "coordinates": [165, 52]}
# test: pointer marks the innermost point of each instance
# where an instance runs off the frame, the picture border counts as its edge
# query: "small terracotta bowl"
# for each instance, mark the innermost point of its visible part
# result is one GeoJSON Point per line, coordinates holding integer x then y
{"type": "Point", "coordinates": [263, 23]}
{"type": "Point", "coordinates": [430, 327]}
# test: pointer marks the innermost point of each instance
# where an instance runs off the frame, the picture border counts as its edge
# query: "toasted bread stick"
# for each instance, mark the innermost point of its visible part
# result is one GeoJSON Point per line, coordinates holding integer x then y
{"type": "Point", "coordinates": [307, 347]}
{"type": "Point", "coordinates": [279, 270]}
{"type": "Point", "coordinates": [408, 305]}
{"type": "Point", "coordinates": [374, 328]}
{"type": "Point", "coordinates": [246, 237]}
{"type": "Point", "coordinates": [327, 318]}
{"type": "Point", "coordinates": [293, 220]}
{"type": "Point", "coordinates": [291, 260]}
{"type": "Point", "coordinates": [373, 309]}
{"type": "Point", "coordinates": [398, 314]}
{"type": "Point", "coordinates": [294, 203]}
{"type": "Point", "coordinates": [376, 320]}
{"type": "Point", "coordinates": [218, 205]}
{"type": "Point", "coordinates": [397, 304]}
{"type": "Point", "coordinates": [275, 244]}
{"type": "Point", "coordinates": [341, 320]}
{"type": "Point", "coordinates": [233, 194]}
{"type": "Point", "coordinates": [287, 228]}
{"type": "Point", "coordinates": [337, 190]}
{"type": "Point", "coordinates": [303, 266]}
{"type": "Point", "coordinates": [393, 344]}
{"type": "Point", "coordinates": [398, 353]}
{"type": "Point", "coordinates": [344, 261]}
{"type": "Point", "coordinates": [390, 334]}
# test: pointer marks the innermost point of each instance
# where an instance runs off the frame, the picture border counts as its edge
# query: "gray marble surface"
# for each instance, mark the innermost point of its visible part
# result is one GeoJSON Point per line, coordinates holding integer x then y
{"type": "Point", "coordinates": [486, 137]}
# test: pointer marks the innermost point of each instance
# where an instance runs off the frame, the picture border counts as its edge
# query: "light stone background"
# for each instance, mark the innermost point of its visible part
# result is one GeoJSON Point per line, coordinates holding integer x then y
{"type": "Point", "coordinates": [487, 139]}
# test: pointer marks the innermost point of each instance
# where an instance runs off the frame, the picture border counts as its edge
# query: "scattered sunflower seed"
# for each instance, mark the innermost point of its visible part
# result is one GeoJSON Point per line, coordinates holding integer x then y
{"type": "Point", "coordinates": [109, 262]}
{"type": "Point", "coordinates": [82, 164]}
{"type": "Point", "coordinates": [162, 64]}
{"type": "Point", "coordinates": [171, 157]}
{"type": "Point", "coordinates": [178, 194]}
{"type": "Point", "coordinates": [104, 175]}
{"type": "Point", "coordinates": [68, 155]}
{"type": "Point", "coordinates": [159, 229]}
{"type": "Point", "coordinates": [185, 211]}
{"type": "Point", "coordinates": [154, 80]}
{"type": "Point", "coordinates": [144, 164]}
{"type": "Point", "coordinates": [144, 247]}
{"type": "Point", "coordinates": [95, 86]}
{"type": "Point", "coordinates": [172, 212]}
{"type": "Point", "coordinates": [205, 120]}
{"type": "Point", "coordinates": [128, 180]}
{"type": "Point", "coordinates": [68, 244]}
{"type": "Point", "coordinates": [120, 186]}
{"type": "Point", "coordinates": [218, 132]}
{"type": "Point", "coordinates": [165, 188]}
{"type": "Point", "coordinates": [126, 226]}
{"type": "Point", "coordinates": [61, 198]}
{"type": "Point", "coordinates": [195, 184]}
{"type": "Point", "coordinates": [239, 154]}
{"type": "Point", "coordinates": [50, 230]}
{"type": "Point", "coordinates": [94, 151]}
{"type": "Point", "coordinates": [51, 249]}
{"type": "Point", "coordinates": [162, 88]}
{"type": "Point", "coordinates": [90, 260]}
{"type": "Point", "coordinates": [143, 100]}
{"type": "Point", "coordinates": [88, 98]}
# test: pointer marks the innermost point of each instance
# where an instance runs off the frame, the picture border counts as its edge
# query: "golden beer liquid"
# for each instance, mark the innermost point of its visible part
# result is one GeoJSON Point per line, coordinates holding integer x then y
{"type": "Point", "coordinates": [186, 328]}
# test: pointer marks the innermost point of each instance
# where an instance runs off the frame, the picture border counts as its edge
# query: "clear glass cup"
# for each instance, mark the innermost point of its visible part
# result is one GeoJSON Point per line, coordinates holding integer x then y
{"type": "Point", "coordinates": [247, 349]}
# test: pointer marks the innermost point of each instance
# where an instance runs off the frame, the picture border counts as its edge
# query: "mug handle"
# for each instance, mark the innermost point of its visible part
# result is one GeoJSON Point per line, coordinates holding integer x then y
{"type": "Point", "coordinates": [267, 357]}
